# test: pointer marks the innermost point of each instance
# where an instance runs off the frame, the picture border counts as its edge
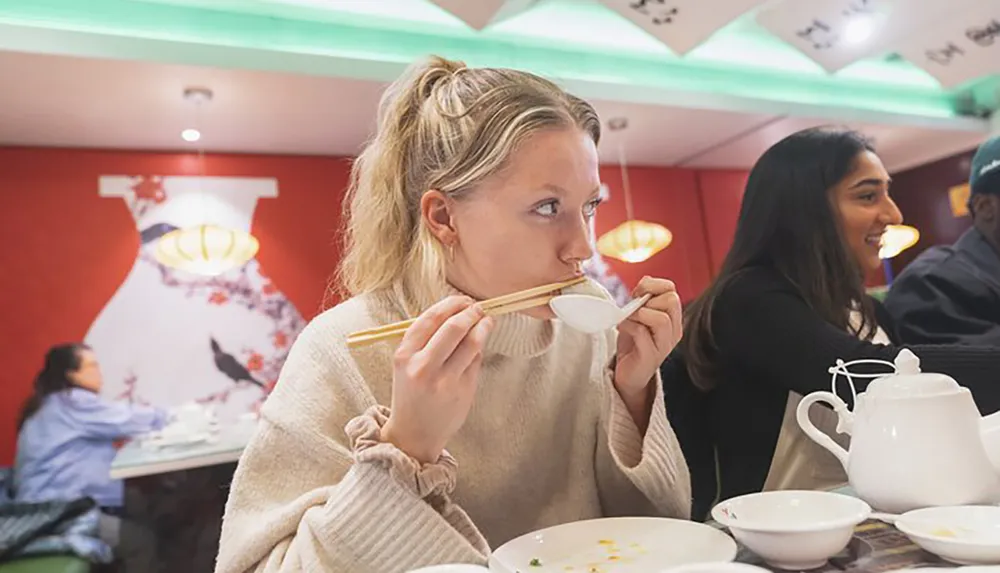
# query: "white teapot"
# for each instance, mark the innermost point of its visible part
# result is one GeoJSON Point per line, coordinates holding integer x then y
{"type": "Point", "coordinates": [917, 439]}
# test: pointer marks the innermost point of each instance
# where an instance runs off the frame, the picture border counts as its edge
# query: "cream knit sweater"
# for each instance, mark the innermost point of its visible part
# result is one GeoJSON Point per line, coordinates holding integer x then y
{"type": "Point", "coordinates": [548, 441]}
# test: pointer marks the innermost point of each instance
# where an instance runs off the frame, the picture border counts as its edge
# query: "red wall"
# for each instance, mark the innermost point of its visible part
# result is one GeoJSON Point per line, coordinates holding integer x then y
{"type": "Point", "coordinates": [922, 196]}
{"type": "Point", "coordinates": [721, 197]}
{"type": "Point", "coordinates": [64, 250]}
{"type": "Point", "coordinates": [669, 197]}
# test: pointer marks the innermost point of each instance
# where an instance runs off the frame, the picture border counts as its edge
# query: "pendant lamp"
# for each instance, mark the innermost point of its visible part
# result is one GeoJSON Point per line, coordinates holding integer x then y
{"type": "Point", "coordinates": [634, 240]}
{"type": "Point", "coordinates": [896, 239]}
{"type": "Point", "coordinates": [204, 249]}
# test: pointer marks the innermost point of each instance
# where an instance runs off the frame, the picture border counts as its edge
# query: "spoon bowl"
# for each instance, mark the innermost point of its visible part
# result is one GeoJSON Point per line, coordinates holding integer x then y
{"type": "Point", "coordinates": [591, 314]}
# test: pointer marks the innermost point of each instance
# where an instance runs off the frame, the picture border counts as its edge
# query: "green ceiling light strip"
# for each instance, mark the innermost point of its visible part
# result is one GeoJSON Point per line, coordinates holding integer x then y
{"type": "Point", "coordinates": [756, 68]}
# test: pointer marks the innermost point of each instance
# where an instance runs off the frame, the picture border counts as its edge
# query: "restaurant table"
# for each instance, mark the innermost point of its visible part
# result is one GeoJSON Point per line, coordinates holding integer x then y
{"type": "Point", "coordinates": [137, 458]}
{"type": "Point", "coordinates": [174, 500]}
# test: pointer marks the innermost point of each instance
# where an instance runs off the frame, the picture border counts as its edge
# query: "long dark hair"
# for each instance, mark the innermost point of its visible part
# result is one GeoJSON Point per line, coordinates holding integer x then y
{"type": "Point", "coordinates": [788, 222]}
{"type": "Point", "coordinates": [54, 377]}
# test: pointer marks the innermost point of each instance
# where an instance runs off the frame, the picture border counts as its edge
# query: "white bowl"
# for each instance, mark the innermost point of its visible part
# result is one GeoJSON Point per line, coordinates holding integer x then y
{"type": "Point", "coordinates": [721, 567]}
{"type": "Point", "coordinates": [967, 535]}
{"type": "Point", "coordinates": [793, 529]}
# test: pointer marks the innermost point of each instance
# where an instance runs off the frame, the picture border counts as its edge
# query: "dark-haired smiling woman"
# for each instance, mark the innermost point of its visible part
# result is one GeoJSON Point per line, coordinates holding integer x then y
{"type": "Point", "coordinates": [788, 302]}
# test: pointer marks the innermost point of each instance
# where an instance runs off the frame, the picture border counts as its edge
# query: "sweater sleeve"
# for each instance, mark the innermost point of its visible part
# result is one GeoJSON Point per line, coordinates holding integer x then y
{"type": "Point", "coordinates": [309, 496]}
{"type": "Point", "coordinates": [765, 327]}
{"type": "Point", "coordinates": [639, 474]}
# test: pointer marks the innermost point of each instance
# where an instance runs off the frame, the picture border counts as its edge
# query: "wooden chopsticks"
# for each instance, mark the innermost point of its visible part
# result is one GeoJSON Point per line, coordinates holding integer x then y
{"type": "Point", "coordinates": [514, 302]}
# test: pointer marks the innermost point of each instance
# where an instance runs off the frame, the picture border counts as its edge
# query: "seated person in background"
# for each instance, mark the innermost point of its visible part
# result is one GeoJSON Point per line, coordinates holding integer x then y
{"type": "Point", "coordinates": [479, 182]}
{"type": "Point", "coordinates": [952, 294]}
{"type": "Point", "coordinates": [66, 432]}
{"type": "Point", "coordinates": [789, 301]}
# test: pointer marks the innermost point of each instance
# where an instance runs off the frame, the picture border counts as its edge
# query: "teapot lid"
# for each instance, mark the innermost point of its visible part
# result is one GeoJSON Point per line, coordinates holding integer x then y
{"type": "Point", "coordinates": [909, 382]}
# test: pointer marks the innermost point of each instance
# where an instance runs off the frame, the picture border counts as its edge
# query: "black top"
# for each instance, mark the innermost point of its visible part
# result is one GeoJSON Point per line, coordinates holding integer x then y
{"type": "Point", "coordinates": [950, 294]}
{"type": "Point", "coordinates": [769, 342]}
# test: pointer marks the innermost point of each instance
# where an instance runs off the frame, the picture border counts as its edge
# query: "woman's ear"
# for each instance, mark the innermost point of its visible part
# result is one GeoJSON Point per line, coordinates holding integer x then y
{"type": "Point", "coordinates": [436, 212]}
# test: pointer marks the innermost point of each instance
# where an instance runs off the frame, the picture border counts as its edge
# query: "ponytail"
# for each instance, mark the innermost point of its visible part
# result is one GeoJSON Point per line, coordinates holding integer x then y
{"type": "Point", "coordinates": [60, 361]}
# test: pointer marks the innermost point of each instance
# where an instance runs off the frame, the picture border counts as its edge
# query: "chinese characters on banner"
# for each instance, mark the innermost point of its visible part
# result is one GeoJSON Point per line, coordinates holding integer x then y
{"type": "Point", "coordinates": [960, 48]}
{"type": "Point", "coordinates": [681, 24]}
{"type": "Point", "coordinates": [836, 33]}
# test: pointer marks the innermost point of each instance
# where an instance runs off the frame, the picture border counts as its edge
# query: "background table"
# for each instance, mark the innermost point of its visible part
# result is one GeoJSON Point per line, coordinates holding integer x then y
{"type": "Point", "coordinates": [137, 459]}
{"type": "Point", "coordinates": [174, 500]}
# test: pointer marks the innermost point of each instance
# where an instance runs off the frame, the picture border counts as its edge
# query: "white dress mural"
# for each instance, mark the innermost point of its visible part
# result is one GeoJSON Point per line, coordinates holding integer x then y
{"type": "Point", "coordinates": [168, 337]}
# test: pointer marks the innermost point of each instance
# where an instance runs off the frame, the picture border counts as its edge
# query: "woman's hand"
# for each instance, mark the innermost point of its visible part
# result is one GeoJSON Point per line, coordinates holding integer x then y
{"type": "Point", "coordinates": [434, 377]}
{"type": "Point", "coordinates": [644, 341]}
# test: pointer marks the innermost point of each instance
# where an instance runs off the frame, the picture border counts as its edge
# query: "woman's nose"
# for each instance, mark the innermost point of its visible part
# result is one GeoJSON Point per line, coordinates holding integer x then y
{"type": "Point", "coordinates": [891, 214]}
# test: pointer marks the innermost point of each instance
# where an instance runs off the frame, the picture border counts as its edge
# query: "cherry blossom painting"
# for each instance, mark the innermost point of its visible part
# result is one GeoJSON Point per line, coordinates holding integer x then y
{"type": "Point", "coordinates": [168, 337]}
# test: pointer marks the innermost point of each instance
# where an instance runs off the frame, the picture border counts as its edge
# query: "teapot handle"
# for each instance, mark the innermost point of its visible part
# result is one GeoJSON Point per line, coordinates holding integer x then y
{"type": "Point", "coordinates": [844, 422]}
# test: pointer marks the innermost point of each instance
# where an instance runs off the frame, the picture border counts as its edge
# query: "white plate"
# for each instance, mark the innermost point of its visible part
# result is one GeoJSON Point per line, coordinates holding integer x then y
{"type": "Point", "coordinates": [967, 535]}
{"type": "Point", "coordinates": [971, 569]}
{"type": "Point", "coordinates": [173, 441]}
{"type": "Point", "coordinates": [614, 545]}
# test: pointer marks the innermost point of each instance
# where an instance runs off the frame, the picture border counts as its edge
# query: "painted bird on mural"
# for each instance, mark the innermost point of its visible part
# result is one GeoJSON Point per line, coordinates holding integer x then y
{"type": "Point", "coordinates": [228, 365]}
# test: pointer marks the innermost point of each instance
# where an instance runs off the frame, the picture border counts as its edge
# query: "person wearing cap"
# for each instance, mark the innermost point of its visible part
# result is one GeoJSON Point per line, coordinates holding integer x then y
{"type": "Point", "coordinates": [951, 294]}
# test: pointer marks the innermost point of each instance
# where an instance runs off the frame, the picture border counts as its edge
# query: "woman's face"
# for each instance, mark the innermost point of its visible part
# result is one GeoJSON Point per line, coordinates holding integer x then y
{"type": "Point", "coordinates": [528, 225]}
{"type": "Point", "coordinates": [864, 208]}
{"type": "Point", "coordinates": [88, 375]}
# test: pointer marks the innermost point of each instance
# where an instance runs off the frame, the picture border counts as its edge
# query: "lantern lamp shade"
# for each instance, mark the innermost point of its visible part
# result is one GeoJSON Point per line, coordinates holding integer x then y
{"type": "Point", "coordinates": [634, 241]}
{"type": "Point", "coordinates": [896, 239]}
{"type": "Point", "coordinates": [207, 250]}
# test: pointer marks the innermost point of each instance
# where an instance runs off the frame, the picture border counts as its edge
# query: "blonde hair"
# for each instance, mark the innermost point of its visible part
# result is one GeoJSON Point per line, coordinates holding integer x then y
{"type": "Point", "coordinates": [441, 126]}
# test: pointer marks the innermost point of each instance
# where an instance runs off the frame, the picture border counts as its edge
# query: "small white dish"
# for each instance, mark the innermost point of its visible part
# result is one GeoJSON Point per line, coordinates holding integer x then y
{"type": "Point", "coordinates": [793, 530]}
{"type": "Point", "coordinates": [614, 545]}
{"type": "Point", "coordinates": [591, 314]}
{"type": "Point", "coordinates": [176, 440]}
{"type": "Point", "coordinates": [717, 568]}
{"type": "Point", "coordinates": [966, 535]}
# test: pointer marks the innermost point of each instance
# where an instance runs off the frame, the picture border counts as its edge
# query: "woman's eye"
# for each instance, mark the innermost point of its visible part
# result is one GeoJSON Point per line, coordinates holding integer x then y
{"type": "Point", "coordinates": [547, 209]}
{"type": "Point", "coordinates": [590, 209]}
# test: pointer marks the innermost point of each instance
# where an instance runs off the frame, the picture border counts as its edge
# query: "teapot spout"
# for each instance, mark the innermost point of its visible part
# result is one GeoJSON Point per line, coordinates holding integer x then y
{"type": "Point", "coordinates": [989, 429]}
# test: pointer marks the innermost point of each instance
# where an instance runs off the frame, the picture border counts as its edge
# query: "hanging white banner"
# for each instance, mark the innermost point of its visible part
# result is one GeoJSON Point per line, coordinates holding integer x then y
{"type": "Point", "coordinates": [836, 33]}
{"type": "Point", "coordinates": [960, 48]}
{"type": "Point", "coordinates": [481, 13]}
{"type": "Point", "coordinates": [681, 24]}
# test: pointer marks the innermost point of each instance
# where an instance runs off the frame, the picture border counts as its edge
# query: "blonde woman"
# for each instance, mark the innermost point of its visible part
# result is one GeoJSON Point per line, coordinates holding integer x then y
{"type": "Point", "coordinates": [472, 430]}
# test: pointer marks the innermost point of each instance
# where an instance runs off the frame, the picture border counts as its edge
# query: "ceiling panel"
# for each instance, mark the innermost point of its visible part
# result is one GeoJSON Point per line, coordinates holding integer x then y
{"type": "Point", "coordinates": [658, 135]}
{"type": "Point", "coordinates": [905, 147]}
{"type": "Point", "coordinates": [900, 147]}
{"type": "Point", "coordinates": [743, 151]}
{"type": "Point", "coordinates": [75, 102]}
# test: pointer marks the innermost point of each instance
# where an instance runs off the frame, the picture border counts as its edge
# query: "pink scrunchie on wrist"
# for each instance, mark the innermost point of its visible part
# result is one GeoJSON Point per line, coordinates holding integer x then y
{"type": "Point", "coordinates": [426, 480]}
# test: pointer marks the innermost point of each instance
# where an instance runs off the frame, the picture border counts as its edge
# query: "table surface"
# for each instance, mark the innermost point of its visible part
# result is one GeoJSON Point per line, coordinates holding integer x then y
{"type": "Point", "coordinates": [137, 459]}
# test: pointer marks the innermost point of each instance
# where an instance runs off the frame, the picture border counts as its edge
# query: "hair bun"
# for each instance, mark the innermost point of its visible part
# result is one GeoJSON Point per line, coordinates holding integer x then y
{"type": "Point", "coordinates": [435, 71]}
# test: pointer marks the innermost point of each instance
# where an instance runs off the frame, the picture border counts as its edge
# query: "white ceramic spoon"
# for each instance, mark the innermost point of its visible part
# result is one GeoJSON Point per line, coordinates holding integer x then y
{"type": "Point", "coordinates": [591, 314]}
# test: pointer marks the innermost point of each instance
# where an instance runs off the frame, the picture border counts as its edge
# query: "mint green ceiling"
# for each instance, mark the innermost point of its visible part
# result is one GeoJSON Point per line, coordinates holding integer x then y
{"type": "Point", "coordinates": [579, 42]}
